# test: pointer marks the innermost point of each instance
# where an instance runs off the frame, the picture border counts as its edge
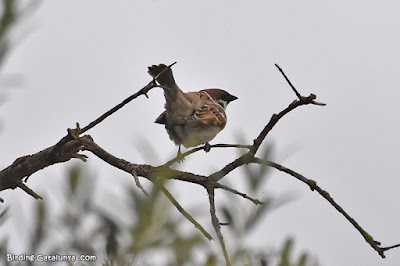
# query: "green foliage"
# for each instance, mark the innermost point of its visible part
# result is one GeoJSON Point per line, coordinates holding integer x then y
{"type": "Point", "coordinates": [286, 254]}
{"type": "Point", "coordinates": [7, 19]}
{"type": "Point", "coordinates": [73, 178]}
{"type": "Point", "coordinates": [211, 260]}
{"type": "Point", "coordinates": [39, 232]}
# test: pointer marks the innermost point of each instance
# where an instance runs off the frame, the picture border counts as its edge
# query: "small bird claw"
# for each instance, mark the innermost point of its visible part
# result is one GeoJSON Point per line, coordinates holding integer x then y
{"type": "Point", "coordinates": [207, 147]}
{"type": "Point", "coordinates": [179, 157]}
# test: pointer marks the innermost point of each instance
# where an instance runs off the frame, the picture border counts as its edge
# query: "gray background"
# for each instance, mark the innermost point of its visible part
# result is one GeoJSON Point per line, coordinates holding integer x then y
{"type": "Point", "coordinates": [77, 59]}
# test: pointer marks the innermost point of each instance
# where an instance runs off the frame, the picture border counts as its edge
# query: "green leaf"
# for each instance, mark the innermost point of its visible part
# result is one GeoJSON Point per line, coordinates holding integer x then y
{"type": "Point", "coordinates": [211, 261]}
{"type": "Point", "coordinates": [286, 252]}
{"type": "Point", "coordinates": [302, 260]}
{"type": "Point", "coordinates": [228, 216]}
{"type": "Point", "coordinates": [74, 176]}
{"type": "Point", "coordinates": [40, 225]}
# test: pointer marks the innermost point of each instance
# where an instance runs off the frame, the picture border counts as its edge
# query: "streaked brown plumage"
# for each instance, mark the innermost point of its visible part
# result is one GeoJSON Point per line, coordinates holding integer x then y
{"type": "Point", "coordinates": [191, 118]}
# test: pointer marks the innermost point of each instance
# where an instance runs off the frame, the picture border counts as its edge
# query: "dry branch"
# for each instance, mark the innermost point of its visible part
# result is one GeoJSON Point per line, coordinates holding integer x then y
{"type": "Point", "coordinates": [216, 224]}
{"type": "Point", "coordinates": [314, 187]}
{"type": "Point", "coordinates": [69, 146]}
{"type": "Point", "coordinates": [12, 176]}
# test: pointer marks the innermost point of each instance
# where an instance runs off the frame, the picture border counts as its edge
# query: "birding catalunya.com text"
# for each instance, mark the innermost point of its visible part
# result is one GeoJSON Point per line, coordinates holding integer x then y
{"type": "Point", "coordinates": [48, 258]}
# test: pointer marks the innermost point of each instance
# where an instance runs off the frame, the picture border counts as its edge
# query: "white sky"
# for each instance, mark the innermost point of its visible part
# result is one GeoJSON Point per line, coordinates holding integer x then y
{"type": "Point", "coordinates": [77, 59]}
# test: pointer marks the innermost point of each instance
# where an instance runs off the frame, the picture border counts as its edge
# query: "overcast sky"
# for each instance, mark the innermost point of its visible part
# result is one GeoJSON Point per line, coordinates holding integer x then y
{"type": "Point", "coordinates": [76, 59]}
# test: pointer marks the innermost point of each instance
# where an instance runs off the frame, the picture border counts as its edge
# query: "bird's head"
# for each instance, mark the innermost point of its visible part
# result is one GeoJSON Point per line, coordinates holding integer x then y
{"type": "Point", "coordinates": [220, 96]}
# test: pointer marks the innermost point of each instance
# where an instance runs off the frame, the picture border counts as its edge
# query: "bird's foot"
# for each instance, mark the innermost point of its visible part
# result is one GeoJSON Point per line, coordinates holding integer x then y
{"type": "Point", "coordinates": [179, 157]}
{"type": "Point", "coordinates": [207, 147]}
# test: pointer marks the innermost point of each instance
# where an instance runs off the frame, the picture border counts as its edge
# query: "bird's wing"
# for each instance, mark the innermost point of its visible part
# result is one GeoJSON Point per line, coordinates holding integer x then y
{"type": "Point", "coordinates": [211, 114]}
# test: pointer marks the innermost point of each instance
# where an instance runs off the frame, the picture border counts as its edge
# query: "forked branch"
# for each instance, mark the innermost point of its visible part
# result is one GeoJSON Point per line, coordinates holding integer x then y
{"type": "Point", "coordinates": [69, 146]}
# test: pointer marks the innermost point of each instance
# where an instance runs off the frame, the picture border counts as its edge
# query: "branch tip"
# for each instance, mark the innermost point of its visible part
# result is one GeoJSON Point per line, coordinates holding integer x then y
{"type": "Point", "coordinates": [185, 213]}
{"type": "Point", "coordinates": [28, 190]}
{"type": "Point", "coordinates": [288, 81]}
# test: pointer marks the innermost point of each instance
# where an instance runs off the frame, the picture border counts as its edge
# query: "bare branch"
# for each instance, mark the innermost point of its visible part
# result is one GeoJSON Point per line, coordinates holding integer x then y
{"type": "Point", "coordinates": [143, 91]}
{"type": "Point", "coordinates": [144, 170]}
{"type": "Point", "coordinates": [25, 166]}
{"type": "Point", "coordinates": [216, 224]}
{"type": "Point", "coordinates": [138, 184]}
{"type": "Point", "coordinates": [153, 174]}
{"type": "Point", "coordinates": [28, 190]}
{"type": "Point", "coordinates": [64, 150]}
{"type": "Point", "coordinates": [234, 191]}
{"type": "Point", "coordinates": [244, 159]}
{"type": "Point", "coordinates": [295, 90]}
{"type": "Point", "coordinates": [290, 83]}
{"type": "Point", "coordinates": [390, 247]}
{"type": "Point", "coordinates": [185, 213]}
{"type": "Point", "coordinates": [276, 117]}
{"type": "Point", "coordinates": [177, 159]}
{"type": "Point", "coordinates": [314, 187]}
{"type": "Point", "coordinates": [69, 146]}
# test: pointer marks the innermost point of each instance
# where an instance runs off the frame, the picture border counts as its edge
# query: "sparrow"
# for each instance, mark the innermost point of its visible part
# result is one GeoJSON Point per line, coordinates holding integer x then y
{"type": "Point", "coordinates": [191, 118]}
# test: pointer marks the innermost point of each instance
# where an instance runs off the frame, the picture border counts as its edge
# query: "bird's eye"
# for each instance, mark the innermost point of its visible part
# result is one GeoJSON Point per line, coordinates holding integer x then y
{"type": "Point", "coordinates": [222, 103]}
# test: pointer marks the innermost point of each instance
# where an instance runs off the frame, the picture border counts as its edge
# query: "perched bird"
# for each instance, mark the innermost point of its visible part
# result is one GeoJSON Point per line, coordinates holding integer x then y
{"type": "Point", "coordinates": [190, 118]}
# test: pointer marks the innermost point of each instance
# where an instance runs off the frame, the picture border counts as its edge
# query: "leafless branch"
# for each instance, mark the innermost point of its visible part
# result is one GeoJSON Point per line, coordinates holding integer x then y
{"type": "Point", "coordinates": [69, 146]}
{"type": "Point", "coordinates": [276, 117]}
{"type": "Point", "coordinates": [62, 151]}
{"type": "Point", "coordinates": [143, 91]}
{"type": "Point", "coordinates": [216, 224]}
{"type": "Point", "coordinates": [138, 184]}
{"type": "Point", "coordinates": [185, 213]}
{"type": "Point", "coordinates": [189, 152]}
{"type": "Point", "coordinates": [28, 190]}
{"type": "Point", "coordinates": [314, 187]}
{"type": "Point", "coordinates": [25, 166]}
{"type": "Point", "coordinates": [234, 191]}
{"type": "Point", "coordinates": [290, 83]}
{"type": "Point", "coordinates": [294, 89]}
{"type": "Point", "coordinates": [151, 173]}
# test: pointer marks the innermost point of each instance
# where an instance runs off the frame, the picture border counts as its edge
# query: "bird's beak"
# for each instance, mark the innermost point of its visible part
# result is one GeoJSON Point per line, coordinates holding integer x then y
{"type": "Point", "coordinates": [232, 98]}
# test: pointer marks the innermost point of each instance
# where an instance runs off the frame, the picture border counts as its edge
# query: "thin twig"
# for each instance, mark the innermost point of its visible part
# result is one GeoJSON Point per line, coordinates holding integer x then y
{"type": "Point", "coordinates": [234, 191]}
{"type": "Point", "coordinates": [68, 147]}
{"type": "Point", "coordinates": [78, 131]}
{"type": "Point", "coordinates": [290, 83]}
{"type": "Point", "coordinates": [138, 184]}
{"type": "Point", "coordinates": [216, 224]}
{"type": "Point", "coordinates": [390, 247]}
{"type": "Point", "coordinates": [276, 117]}
{"type": "Point", "coordinates": [28, 190]}
{"type": "Point", "coordinates": [143, 91]}
{"type": "Point", "coordinates": [313, 186]}
{"type": "Point", "coordinates": [185, 213]}
{"type": "Point", "coordinates": [295, 90]}
{"type": "Point", "coordinates": [151, 173]}
{"type": "Point", "coordinates": [189, 152]}
{"type": "Point", "coordinates": [230, 167]}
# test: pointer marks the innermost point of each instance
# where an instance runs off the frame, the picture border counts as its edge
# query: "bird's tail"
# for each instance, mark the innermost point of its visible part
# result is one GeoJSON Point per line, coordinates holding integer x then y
{"type": "Point", "coordinates": [166, 78]}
